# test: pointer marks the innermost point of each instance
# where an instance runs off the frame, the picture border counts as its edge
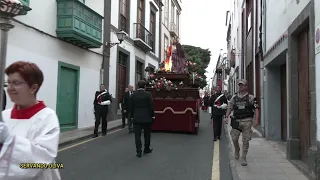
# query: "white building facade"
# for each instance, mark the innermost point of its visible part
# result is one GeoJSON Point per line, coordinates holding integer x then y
{"type": "Point", "coordinates": [273, 44]}
{"type": "Point", "coordinates": [234, 48]}
{"type": "Point", "coordinates": [68, 49]}
{"type": "Point", "coordinates": [171, 24]}
{"type": "Point", "coordinates": [140, 19]}
{"type": "Point", "coordinates": [289, 79]}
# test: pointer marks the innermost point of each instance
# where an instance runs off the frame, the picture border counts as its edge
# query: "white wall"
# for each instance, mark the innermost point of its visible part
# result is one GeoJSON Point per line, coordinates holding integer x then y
{"type": "Point", "coordinates": [317, 68]}
{"type": "Point", "coordinates": [43, 15]}
{"type": "Point", "coordinates": [280, 14]}
{"type": "Point", "coordinates": [29, 45]}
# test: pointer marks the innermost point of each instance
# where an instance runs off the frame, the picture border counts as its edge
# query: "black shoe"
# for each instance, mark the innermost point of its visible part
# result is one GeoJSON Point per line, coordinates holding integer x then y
{"type": "Point", "coordinates": [214, 139]}
{"type": "Point", "coordinates": [138, 154]}
{"type": "Point", "coordinates": [122, 127]}
{"type": "Point", "coordinates": [218, 137]}
{"type": "Point", "coordinates": [95, 135]}
{"type": "Point", "coordinates": [147, 151]}
{"type": "Point", "coordinates": [104, 134]}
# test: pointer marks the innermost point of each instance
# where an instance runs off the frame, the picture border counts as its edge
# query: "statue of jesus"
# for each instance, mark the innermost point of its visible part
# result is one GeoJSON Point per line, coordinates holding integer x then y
{"type": "Point", "coordinates": [176, 58]}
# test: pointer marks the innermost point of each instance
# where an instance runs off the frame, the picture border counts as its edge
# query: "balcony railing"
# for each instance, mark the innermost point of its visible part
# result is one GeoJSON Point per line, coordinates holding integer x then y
{"type": "Point", "coordinates": [142, 37]}
{"type": "Point", "coordinates": [173, 29]}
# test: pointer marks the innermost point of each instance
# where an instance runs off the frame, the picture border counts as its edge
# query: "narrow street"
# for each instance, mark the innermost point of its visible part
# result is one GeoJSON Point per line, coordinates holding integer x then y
{"type": "Point", "coordinates": [175, 157]}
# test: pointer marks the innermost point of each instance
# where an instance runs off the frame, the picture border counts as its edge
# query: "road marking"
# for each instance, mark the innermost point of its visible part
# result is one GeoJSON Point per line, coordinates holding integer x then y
{"type": "Point", "coordinates": [82, 142]}
{"type": "Point", "coordinates": [215, 175]}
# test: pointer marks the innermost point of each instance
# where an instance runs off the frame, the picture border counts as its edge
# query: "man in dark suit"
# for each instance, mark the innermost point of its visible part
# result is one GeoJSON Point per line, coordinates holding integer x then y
{"type": "Point", "coordinates": [126, 106]}
{"type": "Point", "coordinates": [101, 102]}
{"type": "Point", "coordinates": [142, 112]}
{"type": "Point", "coordinates": [123, 111]}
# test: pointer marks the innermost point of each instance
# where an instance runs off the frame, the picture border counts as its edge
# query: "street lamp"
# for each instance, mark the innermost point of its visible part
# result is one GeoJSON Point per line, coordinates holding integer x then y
{"type": "Point", "coordinates": [8, 10]}
{"type": "Point", "coordinates": [120, 35]}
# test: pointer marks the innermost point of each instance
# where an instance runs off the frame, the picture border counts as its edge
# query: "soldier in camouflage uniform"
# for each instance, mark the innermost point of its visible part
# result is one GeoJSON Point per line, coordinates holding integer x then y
{"type": "Point", "coordinates": [244, 107]}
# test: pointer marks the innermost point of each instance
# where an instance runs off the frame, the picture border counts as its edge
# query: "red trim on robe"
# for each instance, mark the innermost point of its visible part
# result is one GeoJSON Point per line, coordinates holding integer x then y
{"type": "Point", "coordinates": [25, 114]}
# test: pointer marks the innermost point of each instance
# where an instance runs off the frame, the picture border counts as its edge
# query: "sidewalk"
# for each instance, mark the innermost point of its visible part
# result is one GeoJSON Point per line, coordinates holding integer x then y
{"type": "Point", "coordinates": [80, 134]}
{"type": "Point", "coordinates": [265, 161]}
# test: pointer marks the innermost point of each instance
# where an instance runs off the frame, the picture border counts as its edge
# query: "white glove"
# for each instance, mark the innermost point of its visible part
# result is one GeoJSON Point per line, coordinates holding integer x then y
{"type": "Point", "coordinates": [105, 103]}
{"type": "Point", "coordinates": [4, 132]}
{"type": "Point", "coordinates": [224, 106]}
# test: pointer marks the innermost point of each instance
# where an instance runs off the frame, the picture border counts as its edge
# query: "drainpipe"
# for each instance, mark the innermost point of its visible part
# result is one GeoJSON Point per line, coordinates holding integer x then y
{"type": "Point", "coordinates": [104, 71]}
{"type": "Point", "coordinates": [160, 29]}
{"type": "Point", "coordinates": [262, 49]}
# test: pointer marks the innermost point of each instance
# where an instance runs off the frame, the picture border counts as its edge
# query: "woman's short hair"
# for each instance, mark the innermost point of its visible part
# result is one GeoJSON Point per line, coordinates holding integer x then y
{"type": "Point", "coordinates": [30, 72]}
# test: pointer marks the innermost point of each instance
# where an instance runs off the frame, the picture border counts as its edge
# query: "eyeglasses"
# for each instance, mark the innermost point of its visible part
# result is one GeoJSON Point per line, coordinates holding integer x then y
{"type": "Point", "coordinates": [15, 83]}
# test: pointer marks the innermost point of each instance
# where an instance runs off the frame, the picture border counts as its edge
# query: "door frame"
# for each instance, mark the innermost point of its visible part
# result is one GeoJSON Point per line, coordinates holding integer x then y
{"type": "Point", "coordinates": [128, 65]}
{"type": "Point", "coordinates": [77, 68]}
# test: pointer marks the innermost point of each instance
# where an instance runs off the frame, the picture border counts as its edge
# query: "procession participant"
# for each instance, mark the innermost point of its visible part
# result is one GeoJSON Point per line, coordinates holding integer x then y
{"type": "Point", "coordinates": [218, 105]}
{"type": "Point", "coordinates": [142, 112]}
{"type": "Point", "coordinates": [123, 110]}
{"type": "Point", "coordinates": [244, 107]}
{"type": "Point", "coordinates": [101, 103]}
{"type": "Point", "coordinates": [126, 106]}
{"type": "Point", "coordinates": [30, 131]}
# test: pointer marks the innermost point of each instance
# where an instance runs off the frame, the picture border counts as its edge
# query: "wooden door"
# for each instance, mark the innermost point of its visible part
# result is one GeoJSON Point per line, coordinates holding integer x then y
{"type": "Point", "coordinates": [122, 80]}
{"type": "Point", "coordinates": [67, 97]}
{"type": "Point", "coordinates": [303, 75]}
{"type": "Point", "coordinates": [283, 72]}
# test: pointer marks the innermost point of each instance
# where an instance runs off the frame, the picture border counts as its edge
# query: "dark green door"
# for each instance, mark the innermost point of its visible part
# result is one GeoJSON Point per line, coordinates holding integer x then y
{"type": "Point", "coordinates": [67, 101]}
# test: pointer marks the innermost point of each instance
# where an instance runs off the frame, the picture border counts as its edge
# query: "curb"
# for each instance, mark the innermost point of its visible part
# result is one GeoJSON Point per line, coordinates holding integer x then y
{"type": "Point", "coordinates": [232, 163]}
{"type": "Point", "coordinates": [81, 138]}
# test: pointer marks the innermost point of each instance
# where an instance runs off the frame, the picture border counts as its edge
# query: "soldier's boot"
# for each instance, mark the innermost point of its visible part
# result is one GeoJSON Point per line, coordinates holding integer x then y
{"type": "Point", "coordinates": [236, 149]}
{"type": "Point", "coordinates": [243, 161]}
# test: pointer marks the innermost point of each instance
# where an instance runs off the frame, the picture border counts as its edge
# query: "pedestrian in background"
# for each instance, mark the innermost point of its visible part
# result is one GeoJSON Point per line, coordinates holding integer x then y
{"type": "Point", "coordinates": [101, 102]}
{"type": "Point", "coordinates": [123, 110]}
{"type": "Point", "coordinates": [30, 130]}
{"type": "Point", "coordinates": [126, 106]}
{"type": "Point", "coordinates": [142, 112]}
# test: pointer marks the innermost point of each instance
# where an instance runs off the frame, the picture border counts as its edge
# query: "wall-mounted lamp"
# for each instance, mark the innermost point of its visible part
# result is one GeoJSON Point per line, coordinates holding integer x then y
{"type": "Point", "coordinates": [120, 35]}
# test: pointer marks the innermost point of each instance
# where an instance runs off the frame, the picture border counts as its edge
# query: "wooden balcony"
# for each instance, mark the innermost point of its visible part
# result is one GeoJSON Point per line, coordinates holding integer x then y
{"type": "Point", "coordinates": [78, 24]}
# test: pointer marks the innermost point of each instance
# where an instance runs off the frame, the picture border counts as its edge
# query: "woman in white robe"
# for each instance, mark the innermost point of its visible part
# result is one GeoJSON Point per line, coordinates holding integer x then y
{"type": "Point", "coordinates": [30, 131]}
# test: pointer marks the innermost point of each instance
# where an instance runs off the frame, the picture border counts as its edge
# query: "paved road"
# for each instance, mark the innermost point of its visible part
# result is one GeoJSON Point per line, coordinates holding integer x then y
{"type": "Point", "coordinates": [175, 157]}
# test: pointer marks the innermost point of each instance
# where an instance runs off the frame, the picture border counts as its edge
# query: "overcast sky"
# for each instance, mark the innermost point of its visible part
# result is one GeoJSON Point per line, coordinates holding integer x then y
{"type": "Point", "coordinates": [203, 25]}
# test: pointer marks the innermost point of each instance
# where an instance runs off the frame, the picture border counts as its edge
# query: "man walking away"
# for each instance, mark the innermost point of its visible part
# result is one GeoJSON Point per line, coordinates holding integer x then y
{"type": "Point", "coordinates": [218, 105]}
{"type": "Point", "coordinates": [123, 111]}
{"type": "Point", "coordinates": [101, 102]}
{"type": "Point", "coordinates": [142, 112]}
{"type": "Point", "coordinates": [244, 107]}
{"type": "Point", "coordinates": [127, 98]}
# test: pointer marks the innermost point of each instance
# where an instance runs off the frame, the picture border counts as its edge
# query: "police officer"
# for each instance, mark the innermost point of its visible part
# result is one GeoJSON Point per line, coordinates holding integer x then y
{"type": "Point", "coordinates": [244, 107]}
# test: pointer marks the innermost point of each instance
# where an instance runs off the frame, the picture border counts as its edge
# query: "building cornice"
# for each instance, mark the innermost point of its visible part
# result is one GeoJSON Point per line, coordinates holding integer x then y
{"type": "Point", "coordinates": [275, 45]}
{"type": "Point", "coordinates": [178, 5]}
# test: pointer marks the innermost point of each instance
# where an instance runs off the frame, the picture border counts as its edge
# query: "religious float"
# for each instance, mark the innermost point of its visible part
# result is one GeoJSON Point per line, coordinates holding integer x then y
{"type": "Point", "coordinates": [175, 96]}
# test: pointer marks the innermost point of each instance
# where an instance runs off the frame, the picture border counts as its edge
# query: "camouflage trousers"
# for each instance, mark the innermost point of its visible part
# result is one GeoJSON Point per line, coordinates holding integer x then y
{"type": "Point", "coordinates": [245, 126]}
